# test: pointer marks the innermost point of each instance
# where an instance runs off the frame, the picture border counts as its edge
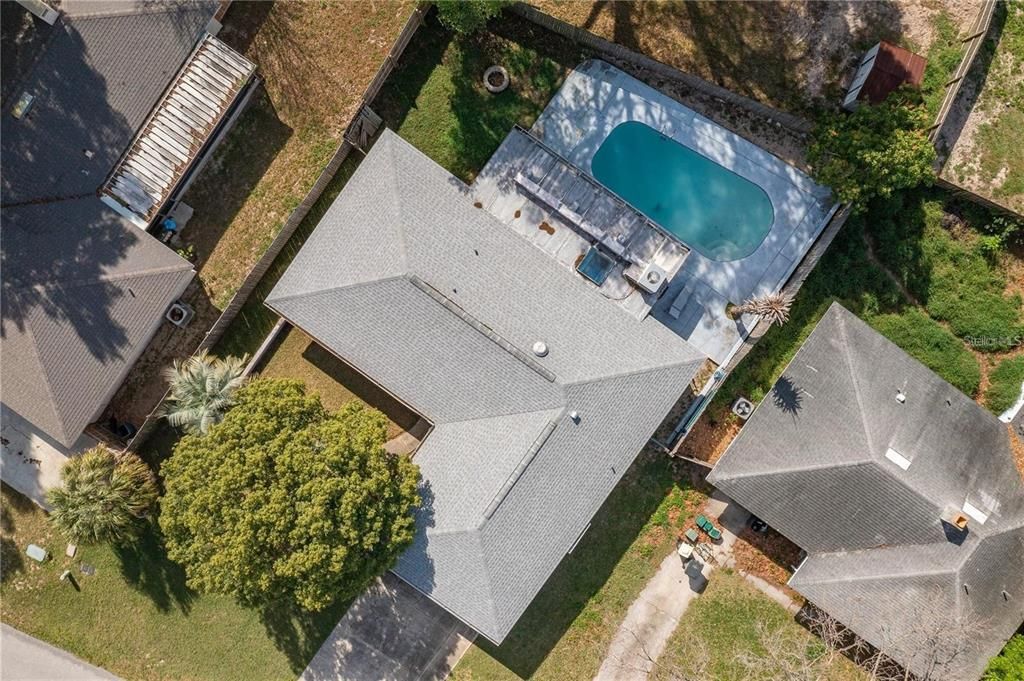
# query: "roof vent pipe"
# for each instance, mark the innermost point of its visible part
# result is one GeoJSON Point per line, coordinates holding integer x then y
{"type": "Point", "coordinates": [901, 396]}
{"type": "Point", "coordinates": [540, 348]}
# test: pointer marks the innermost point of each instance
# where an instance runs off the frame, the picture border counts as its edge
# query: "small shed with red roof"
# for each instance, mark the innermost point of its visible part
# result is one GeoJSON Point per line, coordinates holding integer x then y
{"type": "Point", "coordinates": [884, 68]}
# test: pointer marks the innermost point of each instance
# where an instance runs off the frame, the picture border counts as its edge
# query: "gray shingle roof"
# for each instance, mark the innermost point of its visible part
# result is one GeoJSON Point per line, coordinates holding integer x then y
{"type": "Point", "coordinates": [82, 293]}
{"type": "Point", "coordinates": [441, 304]}
{"type": "Point", "coordinates": [812, 462]}
{"type": "Point", "coordinates": [83, 290]}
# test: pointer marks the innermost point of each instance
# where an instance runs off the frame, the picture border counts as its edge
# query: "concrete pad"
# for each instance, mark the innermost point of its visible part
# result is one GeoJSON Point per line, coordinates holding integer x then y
{"type": "Point", "coordinates": [24, 658]}
{"type": "Point", "coordinates": [30, 461]}
{"type": "Point", "coordinates": [391, 633]}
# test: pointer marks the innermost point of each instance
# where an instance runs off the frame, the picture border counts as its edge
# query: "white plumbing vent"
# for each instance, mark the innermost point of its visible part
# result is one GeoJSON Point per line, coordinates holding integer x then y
{"type": "Point", "coordinates": [540, 348]}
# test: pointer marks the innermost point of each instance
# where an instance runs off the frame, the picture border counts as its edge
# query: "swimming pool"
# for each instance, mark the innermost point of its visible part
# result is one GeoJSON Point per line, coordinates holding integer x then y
{"type": "Point", "coordinates": [713, 210]}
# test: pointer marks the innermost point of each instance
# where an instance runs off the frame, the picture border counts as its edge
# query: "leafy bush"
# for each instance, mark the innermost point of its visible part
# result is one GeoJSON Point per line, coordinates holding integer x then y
{"type": "Point", "coordinates": [1008, 665]}
{"type": "Point", "coordinates": [468, 16]}
{"type": "Point", "coordinates": [925, 340]}
{"type": "Point", "coordinates": [282, 501]}
{"type": "Point", "coordinates": [873, 151]}
{"type": "Point", "coordinates": [102, 497]}
{"type": "Point", "coordinates": [1004, 388]}
{"type": "Point", "coordinates": [942, 259]}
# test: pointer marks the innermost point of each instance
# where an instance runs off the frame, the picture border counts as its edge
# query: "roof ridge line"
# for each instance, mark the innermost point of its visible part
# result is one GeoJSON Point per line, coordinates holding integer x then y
{"type": "Point", "coordinates": [48, 386]}
{"type": "Point", "coordinates": [502, 415]}
{"type": "Point", "coordinates": [800, 469]}
{"type": "Point", "coordinates": [306, 294]}
{"type": "Point", "coordinates": [635, 372]}
{"type": "Point", "coordinates": [848, 360]}
{"type": "Point", "coordinates": [954, 572]}
{"type": "Point", "coordinates": [106, 279]}
{"type": "Point", "coordinates": [133, 10]}
{"type": "Point", "coordinates": [483, 329]}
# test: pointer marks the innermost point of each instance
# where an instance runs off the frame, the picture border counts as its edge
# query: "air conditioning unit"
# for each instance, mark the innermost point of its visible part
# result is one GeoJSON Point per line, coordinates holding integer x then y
{"type": "Point", "coordinates": [743, 408]}
{"type": "Point", "coordinates": [652, 278]}
{"type": "Point", "coordinates": [180, 314]}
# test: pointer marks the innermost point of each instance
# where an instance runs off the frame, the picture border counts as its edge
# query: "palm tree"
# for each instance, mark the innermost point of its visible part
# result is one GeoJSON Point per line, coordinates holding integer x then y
{"type": "Point", "coordinates": [202, 389]}
{"type": "Point", "coordinates": [102, 497]}
{"type": "Point", "coordinates": [774, 307]}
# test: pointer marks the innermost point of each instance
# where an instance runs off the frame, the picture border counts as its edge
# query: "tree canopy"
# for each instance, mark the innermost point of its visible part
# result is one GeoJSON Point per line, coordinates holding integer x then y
{"type": "Point", "coordinates": [102, 497]}
{"type": "Point", "coordinates": [283, 501]}
{"type": "Point", "coordinates": [468, 16]}
{"type": "Point", "coordinates": [873, 151]}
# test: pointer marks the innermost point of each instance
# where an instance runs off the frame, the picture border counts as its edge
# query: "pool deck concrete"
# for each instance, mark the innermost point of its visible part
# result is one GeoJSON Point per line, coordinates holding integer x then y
{"type": "Point", "coordinates": [595, 98]}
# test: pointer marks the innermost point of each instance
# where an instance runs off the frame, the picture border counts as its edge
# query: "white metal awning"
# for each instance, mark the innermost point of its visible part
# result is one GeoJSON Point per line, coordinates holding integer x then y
{"type": "Point", "coordinates": [197, 100]}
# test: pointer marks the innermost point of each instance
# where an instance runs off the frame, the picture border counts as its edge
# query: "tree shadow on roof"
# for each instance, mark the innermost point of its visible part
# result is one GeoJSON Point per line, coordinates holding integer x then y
{"type": "Point", "coordinates": [787, 396]}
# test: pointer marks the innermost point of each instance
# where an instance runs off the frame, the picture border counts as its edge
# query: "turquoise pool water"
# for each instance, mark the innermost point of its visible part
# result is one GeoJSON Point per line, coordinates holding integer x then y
{"type": "Point", "coordinates": [713, 210]}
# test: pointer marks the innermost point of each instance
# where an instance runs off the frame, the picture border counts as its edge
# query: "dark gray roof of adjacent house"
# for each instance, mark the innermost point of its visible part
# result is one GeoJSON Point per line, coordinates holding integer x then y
{"type": "Point", "coordinates": [441, 304]}
{"type": "Point", "coordinates": [823, 460]}
{"type": "Point", "coordinates": [83, 289]}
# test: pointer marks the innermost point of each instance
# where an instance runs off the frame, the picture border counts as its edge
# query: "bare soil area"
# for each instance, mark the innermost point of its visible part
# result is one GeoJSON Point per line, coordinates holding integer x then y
{"type": "Point", "coordinates": [790, 55]}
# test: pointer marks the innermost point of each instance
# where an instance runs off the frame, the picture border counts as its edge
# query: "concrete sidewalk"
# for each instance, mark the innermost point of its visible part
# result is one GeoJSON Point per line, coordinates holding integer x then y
{"type": "Point", "coordinates": [654, 615]}
{"type": "Point", "coordinates": [23, 658]}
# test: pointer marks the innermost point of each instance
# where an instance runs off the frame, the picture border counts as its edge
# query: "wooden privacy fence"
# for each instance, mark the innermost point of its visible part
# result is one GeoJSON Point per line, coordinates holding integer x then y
{"type": "Point", "coordinates": [615, 51]}
{"type": "Point", "coordinates": [356, 135]}
{"type": "Point", "coordinates": [973, 41]}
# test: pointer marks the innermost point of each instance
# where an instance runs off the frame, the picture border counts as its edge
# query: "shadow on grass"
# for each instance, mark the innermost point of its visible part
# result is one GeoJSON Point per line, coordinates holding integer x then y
{"type": "Point", "coordinates": [223, 186]}
{"type": "Point", "coordinates": [145, 566]}
{"type": "Point", "coordinates": [581, 574]}
{"type": "Point", "coordinates": [360, 386]}
{"type": "Point", "coordinates": [298, 633]}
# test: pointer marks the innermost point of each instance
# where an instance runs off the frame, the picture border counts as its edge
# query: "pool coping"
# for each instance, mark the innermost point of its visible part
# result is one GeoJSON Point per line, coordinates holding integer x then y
{"type": "Point", "coordinates": [596, 97]}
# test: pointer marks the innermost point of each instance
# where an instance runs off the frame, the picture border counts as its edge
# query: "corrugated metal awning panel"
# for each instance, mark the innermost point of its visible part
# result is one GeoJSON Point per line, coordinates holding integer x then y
{"type": "Point", "coordinates": [179, 126]}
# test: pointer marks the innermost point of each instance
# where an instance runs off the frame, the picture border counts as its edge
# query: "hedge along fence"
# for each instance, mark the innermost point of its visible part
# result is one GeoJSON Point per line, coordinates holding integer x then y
{"type": "Point", "coordinates": [974, 40]}
{"type": "Point", "coordinates": [356, 135]}
{"type": "Point", "coordinates": [618, 52]}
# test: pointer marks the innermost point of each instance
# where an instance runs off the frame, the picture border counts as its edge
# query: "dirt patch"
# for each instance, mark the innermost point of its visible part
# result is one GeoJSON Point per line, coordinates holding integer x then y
{"type": "Point", "coordinates": [790, 55]}
{"type": "Point", "coordinates": [769, 556]}
{"type": "Point", "coordinates": [1017, 447]}
{"type": "Point", "coordinates": [546, 228]}
{"type": "Point", "coordinates": [710, 436]}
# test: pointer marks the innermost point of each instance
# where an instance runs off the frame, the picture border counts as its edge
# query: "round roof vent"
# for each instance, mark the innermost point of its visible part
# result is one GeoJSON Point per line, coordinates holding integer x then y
{"type": "Point", "coordinates": [540, 348]}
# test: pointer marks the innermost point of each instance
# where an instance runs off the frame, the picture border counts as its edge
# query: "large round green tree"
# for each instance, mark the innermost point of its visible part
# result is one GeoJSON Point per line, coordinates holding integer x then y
{"type": "Point", "coordinates": [283, 501]}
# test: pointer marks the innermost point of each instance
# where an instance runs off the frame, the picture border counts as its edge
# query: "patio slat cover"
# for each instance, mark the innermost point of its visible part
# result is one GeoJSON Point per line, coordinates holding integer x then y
{"type": "Point", "coordinates": [200, 96]}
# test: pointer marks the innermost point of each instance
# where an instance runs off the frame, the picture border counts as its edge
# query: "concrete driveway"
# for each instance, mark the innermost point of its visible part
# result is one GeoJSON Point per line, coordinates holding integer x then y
{"type": "Point", "coordinates": [23, 658]}
{"type": "Point", "coordinates": [391, 633]}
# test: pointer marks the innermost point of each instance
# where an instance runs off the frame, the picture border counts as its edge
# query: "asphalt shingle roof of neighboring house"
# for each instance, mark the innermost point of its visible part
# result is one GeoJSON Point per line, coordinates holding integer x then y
{"type": "Point", "coordinates": [440, 304]}
{"type": "Point", "coordinates": [823, 460]}
{"type": "Point", "coordinates": [83, 289]}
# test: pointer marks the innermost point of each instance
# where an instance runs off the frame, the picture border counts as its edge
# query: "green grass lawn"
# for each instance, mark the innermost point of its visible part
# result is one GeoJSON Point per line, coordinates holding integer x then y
{"type": "Point", "coordinates": [436, 99]}
{"type": "Point", "coordinates": [944, 57]}
{"type": "Point", "coordinates": [1004, 384]}
{"type": "Point", "coordinates": [298, 357]}
{"type": "Point", "coordinates": [136, 617]}
{"type": "Point", "coordinates": [565, 632]}
{"type": "Point", "coordinates": [724, 622]}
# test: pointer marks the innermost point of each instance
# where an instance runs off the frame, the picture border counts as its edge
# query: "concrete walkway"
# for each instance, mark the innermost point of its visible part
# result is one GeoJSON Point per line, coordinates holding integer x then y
{"type": "Point", "coordinates": [23, 658]}
{"type": "Point", "coordinates": [654, 615]}
{"type": "Point", "coordinates": [391, 633]}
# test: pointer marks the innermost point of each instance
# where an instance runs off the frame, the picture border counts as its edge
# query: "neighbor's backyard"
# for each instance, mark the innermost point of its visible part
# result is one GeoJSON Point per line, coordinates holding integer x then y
{"type": "Point", "coordinates": [988, 157]}
{"type": "Point", "coordinates": [316, 60]}
{"type": "Point", "coordinates": [934, 274]}
{"type": "Point", "coordinates": [790, 55]}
